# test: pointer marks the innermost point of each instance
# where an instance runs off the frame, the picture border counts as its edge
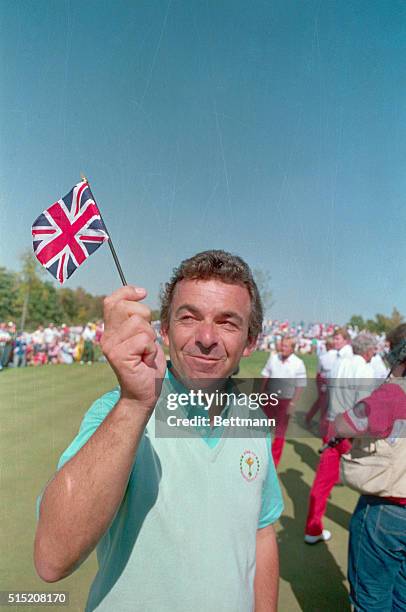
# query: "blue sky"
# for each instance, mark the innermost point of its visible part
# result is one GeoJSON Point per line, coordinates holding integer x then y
{"type": "Point", "coordinates": [275, 130]}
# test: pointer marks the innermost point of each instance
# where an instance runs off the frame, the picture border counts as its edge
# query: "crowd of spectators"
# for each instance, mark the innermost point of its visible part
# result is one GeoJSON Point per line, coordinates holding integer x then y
{"type": "Point", "coordinates": [311, 338]}
{"type": "Point", "coordinates": [52, 344]}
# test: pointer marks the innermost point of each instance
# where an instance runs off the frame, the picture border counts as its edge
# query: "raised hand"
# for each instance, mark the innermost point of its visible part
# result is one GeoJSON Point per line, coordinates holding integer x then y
{"type": "Point", "coordinates": [130, 345]}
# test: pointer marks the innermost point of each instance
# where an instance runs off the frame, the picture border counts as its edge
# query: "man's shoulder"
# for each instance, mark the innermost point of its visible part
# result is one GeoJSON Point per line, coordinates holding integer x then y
{"type": "Point", "coordinates": [346, 352]}
{"type": "Point", "coordinates": [296, 361]}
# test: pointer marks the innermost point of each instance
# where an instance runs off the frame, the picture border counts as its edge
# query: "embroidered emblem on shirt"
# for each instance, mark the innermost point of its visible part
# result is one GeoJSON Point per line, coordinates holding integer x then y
{"type": "Point", "coordinates": [249, 465]}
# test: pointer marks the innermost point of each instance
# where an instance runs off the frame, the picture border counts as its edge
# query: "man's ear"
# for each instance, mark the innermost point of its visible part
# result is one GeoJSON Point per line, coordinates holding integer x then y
{"type": "Point", "coordinates": [250, 346]}
{"type": "Point", "coordinates": [164, 334]}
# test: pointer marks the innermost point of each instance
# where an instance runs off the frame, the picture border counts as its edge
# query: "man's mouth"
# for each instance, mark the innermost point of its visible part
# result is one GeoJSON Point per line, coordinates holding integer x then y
{"type": "Point", "coordinates": [205, 358]}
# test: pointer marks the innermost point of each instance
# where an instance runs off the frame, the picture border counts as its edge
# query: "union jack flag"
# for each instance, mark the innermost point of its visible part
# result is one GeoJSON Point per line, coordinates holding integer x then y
{"type": "Point", "coordinates": [68, 232]}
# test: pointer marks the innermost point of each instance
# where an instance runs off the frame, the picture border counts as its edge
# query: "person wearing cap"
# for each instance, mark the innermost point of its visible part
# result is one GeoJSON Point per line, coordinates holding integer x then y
{"type": "Point", "coordinates": [376, 467]}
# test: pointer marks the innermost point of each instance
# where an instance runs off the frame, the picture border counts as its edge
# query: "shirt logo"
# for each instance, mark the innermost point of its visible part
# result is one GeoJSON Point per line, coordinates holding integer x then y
{"type": "Point", "coordinates": [249, 465]}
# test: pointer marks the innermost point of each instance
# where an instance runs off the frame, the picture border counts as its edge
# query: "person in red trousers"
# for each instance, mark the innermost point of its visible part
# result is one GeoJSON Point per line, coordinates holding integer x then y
{"type": "Point", "coordinates": [351, 380]}
{"type": "Point", "coordinates": [283, 365]}
{"type": "Point", "coordinates": [326, 361]}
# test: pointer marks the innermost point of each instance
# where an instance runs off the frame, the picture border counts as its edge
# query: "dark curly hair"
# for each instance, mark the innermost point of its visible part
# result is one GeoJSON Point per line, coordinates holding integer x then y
{"type": "Point", "coordinates": [219, 265]}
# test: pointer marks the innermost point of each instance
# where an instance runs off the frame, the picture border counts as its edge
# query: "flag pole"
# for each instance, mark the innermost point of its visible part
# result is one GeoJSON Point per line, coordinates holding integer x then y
{"type": "Point", "coordinates": [112, 249]}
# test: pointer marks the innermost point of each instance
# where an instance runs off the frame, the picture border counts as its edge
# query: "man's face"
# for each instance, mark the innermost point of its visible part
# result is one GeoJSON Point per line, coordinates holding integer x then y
{"type": "Point", "coordinates": [286, 348]}
{"type": "Point", "coordinates": [339, 341]}
{"type": "Point", "coordinates": [208, 329]}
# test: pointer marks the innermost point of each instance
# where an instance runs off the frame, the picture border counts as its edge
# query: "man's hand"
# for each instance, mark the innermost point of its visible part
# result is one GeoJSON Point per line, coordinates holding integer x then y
{"type": "Point", "coordinates": [294, 401]}
{"type": "Point", "coordinates": [130, 345]}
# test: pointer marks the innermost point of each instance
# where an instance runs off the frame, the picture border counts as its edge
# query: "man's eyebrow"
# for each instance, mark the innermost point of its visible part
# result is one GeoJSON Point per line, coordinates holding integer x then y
{"type": "Point", "coordinates": [189, 308]}
{"type": "Point", "coordinates": [230, 314]}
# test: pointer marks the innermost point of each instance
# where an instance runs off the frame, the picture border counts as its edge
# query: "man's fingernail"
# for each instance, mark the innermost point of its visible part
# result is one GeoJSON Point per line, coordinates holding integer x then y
{"type": "Point", "coordinates": [139, 290]}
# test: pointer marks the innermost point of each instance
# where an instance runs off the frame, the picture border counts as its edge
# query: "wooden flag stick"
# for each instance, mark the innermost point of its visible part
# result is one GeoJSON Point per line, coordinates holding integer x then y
{"type": "Point", "coordinates": [112, 249]}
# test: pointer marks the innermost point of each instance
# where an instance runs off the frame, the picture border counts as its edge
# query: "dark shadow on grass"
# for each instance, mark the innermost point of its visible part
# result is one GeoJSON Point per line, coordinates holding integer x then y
{"type": "Point", "coordinates": [312, 572]}
{"type": "Point", "coordinates": [306, 453]}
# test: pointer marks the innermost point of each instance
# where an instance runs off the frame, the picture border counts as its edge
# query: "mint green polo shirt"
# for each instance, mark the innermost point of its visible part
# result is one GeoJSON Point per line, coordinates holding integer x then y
{"type": "Point", "coordinates": [184, 535]}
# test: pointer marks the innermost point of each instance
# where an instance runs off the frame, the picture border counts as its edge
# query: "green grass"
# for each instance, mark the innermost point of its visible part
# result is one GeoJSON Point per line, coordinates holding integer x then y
{"type": "Point", "coordinates": [41, 409]}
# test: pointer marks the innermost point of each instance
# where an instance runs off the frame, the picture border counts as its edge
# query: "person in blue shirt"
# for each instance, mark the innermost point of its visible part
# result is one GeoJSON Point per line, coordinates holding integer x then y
{"type": "Point", "coordinates": [178, 522]}
{"type": "Point", "coordinates": [20, 351]}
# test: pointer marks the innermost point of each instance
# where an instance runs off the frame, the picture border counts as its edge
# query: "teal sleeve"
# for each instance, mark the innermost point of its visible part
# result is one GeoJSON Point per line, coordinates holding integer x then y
{"type": "Point", "coordinates": [272, 500]}
{"type": "Point", "coordinates": [91, 421]}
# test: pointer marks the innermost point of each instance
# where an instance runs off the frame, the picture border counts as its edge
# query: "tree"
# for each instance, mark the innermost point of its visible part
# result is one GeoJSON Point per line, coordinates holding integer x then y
{"type": "Point", "coordinates": [30, 279]}
{"type": "Point", "coordinates": [44, 305]}
{"type": "Point", "coordinates": [396, 318]}
{"type": "Point", "coordinates": [8, 294]}
{"type": "Point", "coordinates": [89, 307]}
{"type": "Point", "coordinates": [382, 324]}
{"type": "Point", "coordinates": [263, 281]}
{"type": "Point", "coordinates": [67, 300]}
{"type": "Point", "coordinates": [357, 321]}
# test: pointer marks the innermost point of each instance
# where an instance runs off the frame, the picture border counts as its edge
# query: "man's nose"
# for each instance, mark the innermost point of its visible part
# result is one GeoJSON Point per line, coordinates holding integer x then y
{"type": "Point", "coordinates": [206, 336]}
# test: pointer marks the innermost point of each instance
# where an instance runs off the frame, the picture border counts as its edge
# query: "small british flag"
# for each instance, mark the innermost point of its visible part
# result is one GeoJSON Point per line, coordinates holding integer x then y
{"type": "Point", "coordinates": [68, 232]}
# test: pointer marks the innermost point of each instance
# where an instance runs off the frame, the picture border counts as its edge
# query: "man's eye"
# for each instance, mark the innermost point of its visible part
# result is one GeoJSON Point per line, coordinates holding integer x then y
{"type": "Point", "coordinates": [228, 325]}
{"type": "Point", "coordinates": [187, 318]}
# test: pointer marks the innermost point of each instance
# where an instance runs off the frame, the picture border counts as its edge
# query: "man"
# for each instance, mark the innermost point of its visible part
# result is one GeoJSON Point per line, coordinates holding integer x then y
{"type": "Point", "coordinates": [38, 339]}
{"type": "Point", "coordinates": [51, 335]}
{"type": "Point", "coordinates": [7, 336]}
{"type": "Point", "coordinates": [88, 335]}
{"type": "Point", "coordinates": [353, 379]}
{"type": "Point", "coordinates": [20, 350]}
{"type": "Point", "coordinates": [5, 339]}
{"type": "Point", "coordinates": [343, 348]}
{"type": "Point", "coordinates": [377, 469]}
{"type": "Point", "coordinates": [339, 348]}
{"type": "Point", "coordinates": [285, 364]}
{"type": "Point", "coordinates": [177, 522]}
{"type": "Point", "coordinates": [326, 361]}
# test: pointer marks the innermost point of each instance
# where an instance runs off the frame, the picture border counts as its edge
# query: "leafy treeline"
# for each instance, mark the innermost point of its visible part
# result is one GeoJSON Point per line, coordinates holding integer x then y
{"type": "Point", "coordinates": [381, 323]}
{"type": "Point", "coordinates": [27, 297]}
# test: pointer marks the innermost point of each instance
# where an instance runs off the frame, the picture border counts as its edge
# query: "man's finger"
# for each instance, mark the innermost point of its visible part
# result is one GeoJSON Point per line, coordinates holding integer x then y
{"type": "Point", "coordinates": [131, 327]}
{"type": "Point", "coordinates": [126, 309]}
{"type": "Point", "coordinates": [129, 292]}
{"type": "Point", "coordinates": [150, 353]}
{"type": "Point", "coordinates": [119, 312]}
{"type": "Point", "coordinates": [140, 346]}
